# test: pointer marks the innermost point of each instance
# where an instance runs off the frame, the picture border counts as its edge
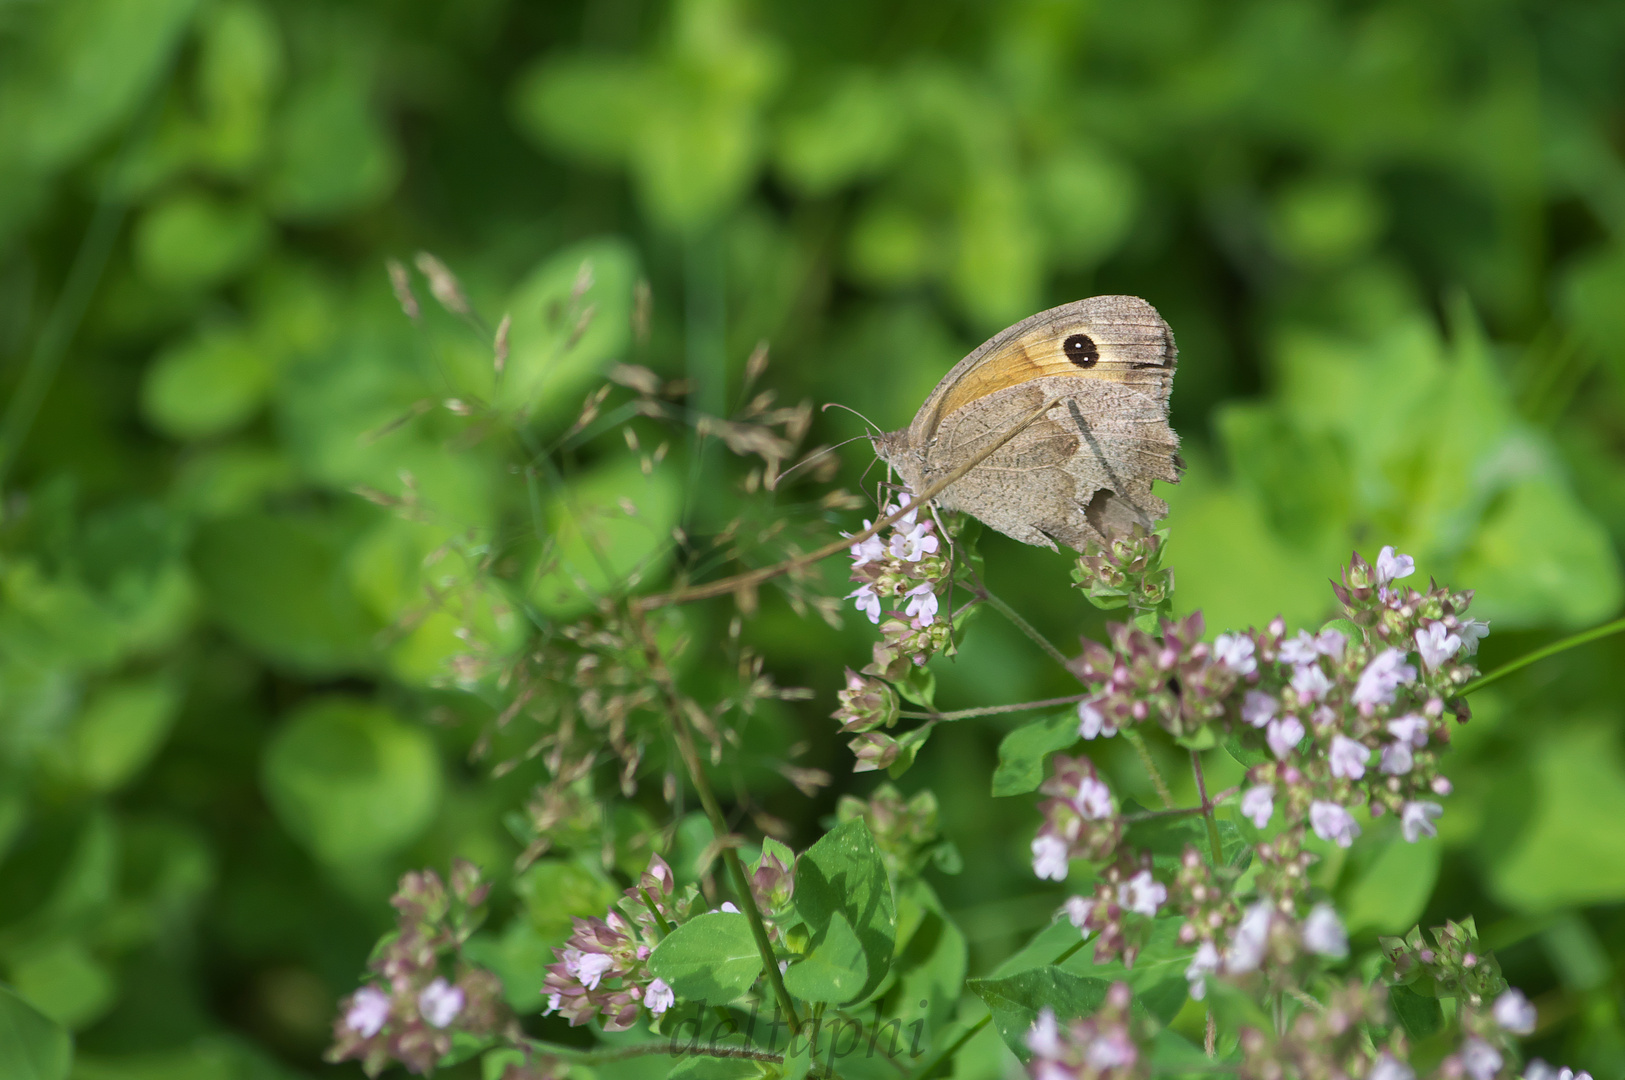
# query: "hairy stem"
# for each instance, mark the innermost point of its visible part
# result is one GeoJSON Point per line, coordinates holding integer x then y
{"type": "Point", "coordinates": [1136, 740]}
{"type": "Point", "coordinates": [1207, 811]}
{"type": "Point", "coordinates": [621, 1053]}
{"type": "Point", "coordinates": [990, 710]}
{"type": "Point", "coordinates": [1021, 624]}
{"type": "Point", "coordinates": [1584, 636]}
{"type": "Point", "coordinates": [752, 578]}
{"type": "Point", "coordinates": [689, 752]}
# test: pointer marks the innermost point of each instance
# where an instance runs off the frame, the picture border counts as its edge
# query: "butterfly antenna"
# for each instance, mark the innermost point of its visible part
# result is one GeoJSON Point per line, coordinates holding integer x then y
{"type": "Point", "coordinates": [815, 455]}
{"type": "Point", "coordinates": [854, 412]}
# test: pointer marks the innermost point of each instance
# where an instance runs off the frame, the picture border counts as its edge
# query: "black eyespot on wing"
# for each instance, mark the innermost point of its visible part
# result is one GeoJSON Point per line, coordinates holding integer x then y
{"type": "Point", "coordinates": [1080, 349]}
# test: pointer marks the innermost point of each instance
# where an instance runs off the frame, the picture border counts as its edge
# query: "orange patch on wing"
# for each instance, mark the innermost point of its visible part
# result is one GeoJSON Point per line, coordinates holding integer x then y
{"type": "Point", "coordinates": [1032, 357]}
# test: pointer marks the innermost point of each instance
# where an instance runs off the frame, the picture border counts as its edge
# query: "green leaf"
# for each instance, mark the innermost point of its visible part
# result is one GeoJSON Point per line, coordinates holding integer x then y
{"type": "Point", "coordinates": [1419, 1015]}
{"type": "Point", "coordinates": [32, 1047]}
{"type": "Point", "coordinates": [351, 781]}
{"type": "Point", "coordinates": [556, 890]}
{"type": "Point", "coordinates": [1016, 1001]}
{"type": "Point", "coordinates": [332, 151]}
{"type": "Point", "coordinates": [711, 959]}
{"type": "Point", "coordinates": [843, 874]}
{"type": "Point", "coordinates": [205, 386]}
{"type": "Point", "coordinates": [1390, 884]}
{"type": "Point", "coordinates": [705, 1067]}
{"type": "Point", "coordinates": [931, 961]}
{"type": "Point", "coordinates": [1023, 752]}
{"type": "Point", "coordinates": [121, 729]}
{"type": "Point", "coordinates": [835, 970]}
{"type": "Point", "coordinates": [193, 240]}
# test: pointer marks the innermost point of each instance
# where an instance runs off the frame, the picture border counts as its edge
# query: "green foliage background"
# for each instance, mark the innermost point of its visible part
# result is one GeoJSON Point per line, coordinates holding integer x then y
{"type": "Point", "coordinates": [1390, 237]}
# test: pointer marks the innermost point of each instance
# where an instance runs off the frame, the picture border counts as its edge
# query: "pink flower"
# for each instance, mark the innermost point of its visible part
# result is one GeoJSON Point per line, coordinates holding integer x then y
{"type": "Point", "coordinates": [1093, 800]}
{"type": "Point", "coordinates": [1283, 735]}
{"type": "Point", "coordinates": [1388, 1067]}
{"type": "Point", "coordinates": [1092, 722]}
{"type": "Point", "coordinates": [1257, 707]}
{"type": "Point", "coordinates": [1258, 804]}
{"type": "Point", "coordinates": [1050, 857]}
{"type": "Point", "coordinates": [1235, 651]}
{"type": "Point", "coordinates": [1078, 910]}
{"type": "Point", "coordinates": [1246, 950]}
{"type": "Point", "coordinates": [1203, 964]}
{"type": "Point", "coordinates": [867, 551]}
{"type": "Point", "coordinates": [868, 601]}
{"type": "Point", "coordinates": [1381, 678]}
{"type": "Point", "coordinates": [591, 967]}
{"type": "Point", "coordinates": [659, 998]}
{"type": "Point", "coordinates": [440, 1003]}
{"type": "Point", "coordinates": [1416, 820]}
{"type": "Point", "coordinates": [922, 603]}
{"type": "Point", "coordinates": [1310, 682]}
{"type": "Point", "coordinates": [1044, 1039]}
{"type": "Point", "coordinates": [1391, 567]}
{"type": "Point", "coordinates": [1348, 757]}
{"type": "Point", "coordinates": [1436, 644]}
{"type": "Point", "coordinates": [1481, 1060]}
{"type": "Point", "coordinates": [1410, 728]}
{"type": "Point", "coordinates": [1397, 759]}
{"type": "Point", "coordinates": [1472, 631]}
{"type": "Point", "coordinates": [1333, 823]}
{"type": "Point", "coordinates": [915, 544]}
{"type": "Point", "coordinates": [1142, 893]}
{"type": "Point", "coordinates": [368, 1012]}
{"type": "Point", "coordinates": [1514, 1012]}
{"type": "Point", "coordinates": [1323, 932]}
{"type": "Point", "coordinates": [1331, 642]}
{"type": "Point", "coordinates": [1299, 649]}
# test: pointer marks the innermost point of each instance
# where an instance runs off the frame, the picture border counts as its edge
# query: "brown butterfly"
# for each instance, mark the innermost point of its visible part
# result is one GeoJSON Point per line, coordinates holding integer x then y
{"type": "Point", "coordinates": [1083, 471]}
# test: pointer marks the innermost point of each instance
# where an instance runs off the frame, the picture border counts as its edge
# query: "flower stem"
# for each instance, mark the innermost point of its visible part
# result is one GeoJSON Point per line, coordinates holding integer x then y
{"type": "Point", "coordinates": [690, 754]}
{"type": "Point", "coordinates": [1136, 740]}
{"type": "Point", "coordinates": [1020, 624]}
{"type": "Point", "coordinates": [930, 1067]}
{"type": "Point", "coordinates": [579, 1056]}
{"type": "Point", "coordinates": [989, 710]}
{"type": "Point", "coordinates": [1553, 649]}
{"type": "Point", "coordinates": [1207, 811]}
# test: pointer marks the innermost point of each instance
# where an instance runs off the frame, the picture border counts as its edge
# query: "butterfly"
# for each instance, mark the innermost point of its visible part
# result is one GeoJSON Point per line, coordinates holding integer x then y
{"type": "Point", "coordinates": [1080, 474]}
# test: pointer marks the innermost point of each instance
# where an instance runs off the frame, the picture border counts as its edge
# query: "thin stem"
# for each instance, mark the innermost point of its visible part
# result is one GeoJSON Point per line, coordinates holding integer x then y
{"type": "Point", "coordinates": [752, 578]}
{"type": "Point", "coordinates": [930, 1067]}
{"type": "Point", "coordinates": [604, 1057]}
{"type": "Point", "coordinates": [1207, 811]}
{"type": "Point", "coordinates": [1021, 624]}
{"type": "Point", "coordinates": [1136, 740]}
{"type": "Point", "coordinates": [1553, 649]}
{"type": "Point", "coordinates": [690, 754]}
{"type": "Point", "coordinates": [990, 710]}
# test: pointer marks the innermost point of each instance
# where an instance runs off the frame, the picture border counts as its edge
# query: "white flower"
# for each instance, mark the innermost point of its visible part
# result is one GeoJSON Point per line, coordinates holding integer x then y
{"type": "Point", "coordinates": [1416, 819]}
{"type": "Point", "coordinates": [1481, 1060]}
{"type": "Point", "coordinates": [1310, 682]}
{"type": "Point", "coordinates": [1092, 723]}
{"type": "Point", "coordinates": [1391, 567]}
{"type": "Point", "coordinates": [1258, 803]}
{"type": "Point", "coordinates": [1235, 651]}
{"type": "Point", "coordinates": [1142, 893]}
{"type": "Point", "coordinates": [1110, 1050]}
{"type": "Point", "coordinates": [591, 967]}
{"type": "Point", "coordinates": [1331, 822]}
{"type": "Point", "coordinates": [1298, 650]}
{"type": "Point", "coordinates": [1257, 707]}
{"type": "Point", "coordinates": [1397, 759]}
{"type": "Point", "coordinates": [922, 603]}
{"type": "Point", "coordinates": [1078, 909]}
{"type": "Point", "coordinates": [868, 550]}
{"type": "Point", "coordinates": [915, 544]}
{"type": "Point", "coordinates": [1514, 1012]}
{"type": "Point", "coordinates": [1472, 631]}
{"type": "Point", "coordinates": [368, 1012]}
{"type": "Point", "coordinates": [1203, 964]}
{"type": "Point", "coordinates": [554, 1000]}
{"type": "Point", "coordinates": [660, 997]}
{"type": "Point", "coordinates": [728, 906]}
{"type": "Point", "coordinates": [1386, 672]}
{"type": "Point", "coordinates": [1331, 642]}
{"type": "Point", "coordinates": [868, 601]}
{"type": "Point", "coordinates": [1246, 950]}
{"type": "Point", "coordinates": [440, 1002]}
{"type": "Point", "coordinates": [1411, 728]}
{"type": "Point", "coordinates": [1044, 1039]}
{"type": "Point", "coordinates": [1323, 932]}
{"type": "Point", "coordinates": [1283, 735]}
{"type": "Point", "coordinates": [1539, 1070]}
{"type": "Point", "coordinates": [1436, 644]}
{"type": "Point", "coordinates": [1050, 857]}
{"type": "Point", "coordinates": [1348, 757]}
{"type": "Point", "coordinates": [1093, 800]}
{"type": "Point", "coordinates": [1388, 1067]}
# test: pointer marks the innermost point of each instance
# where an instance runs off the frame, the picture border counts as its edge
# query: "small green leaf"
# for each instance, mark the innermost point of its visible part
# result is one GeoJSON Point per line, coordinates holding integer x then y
{"type": "Point", "coordinates": [704, 1067]}
{"type": "Point", "coordinates": [1420, 1016]}
{"type": "Point", "coordinates": [1017, 999]}
{"type": "Point", "coordinates": [32, 1046]}
{"type": "Point", "coordinates": [711, 959]}
{"type": "Point", "coordinates": [1022, 753]}
{"type": "Point", "coordinates": [836, 969]}
{"type": "Point", "coordinates": [843, 874]}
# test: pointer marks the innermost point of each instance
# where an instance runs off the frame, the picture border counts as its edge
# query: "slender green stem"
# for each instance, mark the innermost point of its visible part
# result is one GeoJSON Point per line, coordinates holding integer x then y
{"type": "Point", "coordinates": [1207, 811]}
{"type": "Point", "coordinates": [622, 1053]}
{"type": "Point", "coordinates": [1553, 649]}
{"type": "Point", "coordinates": [690, 754]}
{"type": "Point", "coordinates": [1020, 624]}
{"type": "Point", "coordinates": [1136, 740]}
{"type": "Point", "coordinates": [990, 710]}
{"type": "Point", "coordinates": [926, 1071]}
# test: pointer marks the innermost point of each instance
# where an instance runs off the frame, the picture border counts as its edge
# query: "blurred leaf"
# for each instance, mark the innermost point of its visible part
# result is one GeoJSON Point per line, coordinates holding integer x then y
{"type": "Point", "coordinates": [1023, 752]}
{"type": "Point", "coordinates": [843, 873]}
{"type": "Point", "coordinates": [205, 386]}
{"type": "Point", "coordinates": [32, 1047]}
{"type": "Point", "coordinates": [350, 780]}
{"type": "Point", "coordinates": [1569, 851]}
{"type": "Point", "coordinates": [931, 960]}
{"type": "Point", "coordinates": [192, 240]}
{"type": "Point", "coordinates": [239, 70]}
{"type": "Point", "coordinates": [1016, 1001]}
{"type": "Point", "coordinates": [1390, 886]}
{"type": "Point", "coordinates": [711, 959]}
{"type": "Point", "coordinates": [852, 131]}
{"type": "Point", "coordinates": [1420, 1016]}
{"type": "Point", "coordinates": [556, 890]}
{"type": "Point", "coordinates": [63, 980]}
{"type": "Point", "coordinates": [1088, 200]}
{"type": "Point", "coordinates": [835, 970]}
{"type": "Point", "coordinates": [332, 152]}
{"type": "Point", "coordinates": [121, 729]}
{"type": "Point", "coordinates": [1324, 220]}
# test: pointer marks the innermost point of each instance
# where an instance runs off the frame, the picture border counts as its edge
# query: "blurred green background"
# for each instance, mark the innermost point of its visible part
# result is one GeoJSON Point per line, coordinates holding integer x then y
{"type": "Point", "coordinates": [1389, 236]}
